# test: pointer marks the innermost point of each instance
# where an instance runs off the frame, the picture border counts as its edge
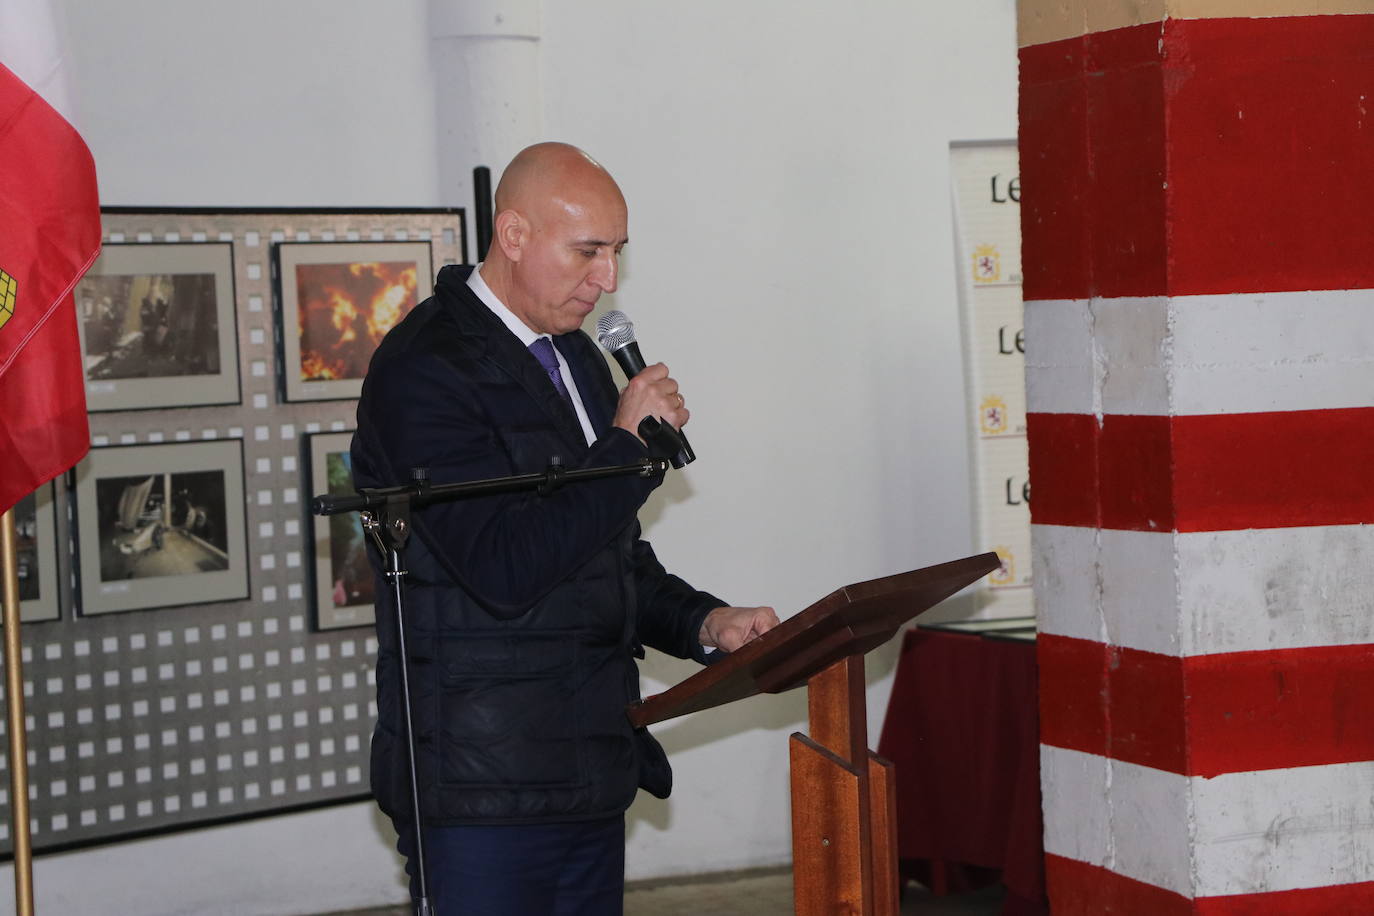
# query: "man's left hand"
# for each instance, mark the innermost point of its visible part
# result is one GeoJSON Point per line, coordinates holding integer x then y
{"type": "Point", "coordinates": [728, 628]}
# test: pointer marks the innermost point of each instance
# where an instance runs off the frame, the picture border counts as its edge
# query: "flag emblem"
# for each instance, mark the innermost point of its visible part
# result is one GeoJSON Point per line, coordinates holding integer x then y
{"type": "Point", "coordinates": [9, 292]}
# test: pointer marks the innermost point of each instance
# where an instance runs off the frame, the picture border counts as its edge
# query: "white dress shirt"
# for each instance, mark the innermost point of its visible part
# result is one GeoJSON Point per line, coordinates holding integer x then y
{"type": "Point", "coordinates": [527, 337]}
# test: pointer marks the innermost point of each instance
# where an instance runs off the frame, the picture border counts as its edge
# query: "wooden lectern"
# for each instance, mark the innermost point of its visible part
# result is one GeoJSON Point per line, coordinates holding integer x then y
{"type": "Point", "coordinates": [844, 831]}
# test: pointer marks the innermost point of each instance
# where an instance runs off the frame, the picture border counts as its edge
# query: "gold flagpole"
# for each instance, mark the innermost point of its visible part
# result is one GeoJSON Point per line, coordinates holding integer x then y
{"type": "Point", "coordinates": [14, 700]}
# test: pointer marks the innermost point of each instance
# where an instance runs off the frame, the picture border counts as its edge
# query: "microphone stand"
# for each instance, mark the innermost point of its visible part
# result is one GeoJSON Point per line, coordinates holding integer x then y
{"type": "Point", "coordinates": [385, 514]}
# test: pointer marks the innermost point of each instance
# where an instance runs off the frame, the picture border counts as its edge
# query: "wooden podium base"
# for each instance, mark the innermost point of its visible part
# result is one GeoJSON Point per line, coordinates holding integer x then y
{"type": "Point", "coordinates": [844, 858]}
{"type": "Point", "coordinates": [844, 812]}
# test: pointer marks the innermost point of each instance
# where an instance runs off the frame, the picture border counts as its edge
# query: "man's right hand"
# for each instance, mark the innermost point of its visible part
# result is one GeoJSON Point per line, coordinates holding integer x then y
{"type": "Point", "coordinates": [651, 393]}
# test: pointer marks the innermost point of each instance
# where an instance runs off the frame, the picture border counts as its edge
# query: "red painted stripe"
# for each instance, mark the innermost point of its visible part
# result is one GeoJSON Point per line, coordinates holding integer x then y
{"type": "Point", "coordinates": [1079, 889]}
{"type": "Point", "coordinates": [1117, 475]}
{"type": "Point", "coordinates": [1271, 142]}
{"type": "Point", "coordinates": [1274, 470]}
{"type": "Point", "coordinates": [1214, 472]}
{"type": "Point", "coordinates": [1115, 702]}
{"type": "Point", "coordinates": [1092, 145]}
{"type": "Point", "coordinates": [1260, 127]}
{"type": "Point", "coordinates": [1138, 473]}
{"type": "Point", "coordinates": [1282, 708]}
{"type": "Point", "coordinates": [1073, 693]}
{"type": "Point", "coordinates": [1307, 901]}
{"type": "Point", "coordinates": [1209, 714]}
{"type": "Point", "coordinates": [1053, 119]}
{"type": "Point", "coordinates": [1063, 468]}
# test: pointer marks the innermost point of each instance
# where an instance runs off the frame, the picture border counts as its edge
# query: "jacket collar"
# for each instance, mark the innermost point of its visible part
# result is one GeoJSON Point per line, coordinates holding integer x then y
{"type": "Point", "coordinates": [505, 351]}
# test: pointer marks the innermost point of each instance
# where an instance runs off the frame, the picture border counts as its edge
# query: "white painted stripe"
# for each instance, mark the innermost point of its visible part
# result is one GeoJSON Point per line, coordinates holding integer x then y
{"type": "Point", "coordinates": [1061, 364]}
{"type": "Point", "coordinates": [1191, 355]}
{"type": "Point", "coordinates": [1206, 592]}
{"type": "Point", "coordinates": [1243, 833]}
{"type": "Point", "coordinates": [1131, 819]}
{"type": "Point", "coordinates": [1114, 587]}
{"type": "Point", "coordinates": [1277, 830]}
{"type": "Point", "coordinates": [1064, 577]}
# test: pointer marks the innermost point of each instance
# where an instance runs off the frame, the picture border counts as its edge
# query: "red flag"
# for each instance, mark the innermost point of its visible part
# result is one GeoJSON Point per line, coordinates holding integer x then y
{"type": "Point", "coordinates": [49, 236]}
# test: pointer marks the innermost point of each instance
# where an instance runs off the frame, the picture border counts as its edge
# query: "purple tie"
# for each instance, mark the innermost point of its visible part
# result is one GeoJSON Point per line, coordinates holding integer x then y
{"type": "Point", "coordinates": [542, 349]}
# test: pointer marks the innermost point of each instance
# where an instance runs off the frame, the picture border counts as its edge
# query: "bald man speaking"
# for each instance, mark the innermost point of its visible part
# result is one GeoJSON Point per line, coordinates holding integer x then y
{"type": "Point", "coordinates": [525, 612]}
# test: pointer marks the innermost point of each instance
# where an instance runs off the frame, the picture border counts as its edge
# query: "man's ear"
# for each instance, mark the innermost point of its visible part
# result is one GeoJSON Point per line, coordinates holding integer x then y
{"type": "Point", "coordinates": [510, 232]}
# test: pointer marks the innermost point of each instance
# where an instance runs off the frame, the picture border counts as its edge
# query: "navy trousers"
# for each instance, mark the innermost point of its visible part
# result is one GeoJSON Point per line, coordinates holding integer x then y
{"type": "Point", "coordinates": [572, 869]}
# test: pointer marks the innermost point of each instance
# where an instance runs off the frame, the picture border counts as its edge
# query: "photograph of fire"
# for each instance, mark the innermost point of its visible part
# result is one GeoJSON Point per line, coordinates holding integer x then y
{"type": "Point", "coordinates": [161, 525]}
{"type": "Point", "coordinates": [344, 312]}
{"type": "Point", "coordinates": [338, 300]}
{"type": "Point", "coordinates": [149, 325]}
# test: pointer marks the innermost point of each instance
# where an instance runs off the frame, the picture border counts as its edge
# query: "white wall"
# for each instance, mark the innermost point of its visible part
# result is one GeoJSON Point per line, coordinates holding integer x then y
{"type": "Point", "coordinates": [791, 259]}
{"type": "Point", "coordinates": [786, 166]}
{"type": "Point", "coordinates": [256, 102]}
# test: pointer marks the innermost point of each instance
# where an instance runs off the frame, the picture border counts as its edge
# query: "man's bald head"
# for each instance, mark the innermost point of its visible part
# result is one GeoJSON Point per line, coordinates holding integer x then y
{"type": "Point", "coordinates": [559, 226]}
{"type": "Point", "coordinates": [549, 172]}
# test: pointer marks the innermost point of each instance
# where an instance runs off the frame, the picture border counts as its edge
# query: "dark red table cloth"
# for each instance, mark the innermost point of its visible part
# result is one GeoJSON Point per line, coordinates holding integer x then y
{"type": "Point", "coordinates": [962, 730]}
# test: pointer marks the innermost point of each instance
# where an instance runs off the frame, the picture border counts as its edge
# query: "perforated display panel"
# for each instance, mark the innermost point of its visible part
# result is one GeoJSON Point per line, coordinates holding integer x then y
{"type": "Point", "coordinates": [153, 720]}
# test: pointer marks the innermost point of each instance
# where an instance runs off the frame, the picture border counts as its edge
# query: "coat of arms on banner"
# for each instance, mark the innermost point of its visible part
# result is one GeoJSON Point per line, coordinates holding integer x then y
{"type": "Point", "coordinates": [8, 289]}
{"type": "Point", "coordinates": [987, 264]}
{"type": "Point", "coordinates": [992, 416]}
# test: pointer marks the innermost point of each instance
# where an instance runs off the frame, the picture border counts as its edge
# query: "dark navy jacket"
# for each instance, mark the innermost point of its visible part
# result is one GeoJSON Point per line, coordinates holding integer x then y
{"type": "Point", "coordinates": [524, 613]}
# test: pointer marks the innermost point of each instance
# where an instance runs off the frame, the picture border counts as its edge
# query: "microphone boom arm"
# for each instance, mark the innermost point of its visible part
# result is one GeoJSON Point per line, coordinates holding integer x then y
{"type": "Point", "coordinates": [422, 493]}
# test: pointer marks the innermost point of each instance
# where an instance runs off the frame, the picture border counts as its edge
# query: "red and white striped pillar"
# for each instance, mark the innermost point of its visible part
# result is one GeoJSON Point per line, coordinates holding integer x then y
{"type": "Point", "coordinates": [1198, 232]}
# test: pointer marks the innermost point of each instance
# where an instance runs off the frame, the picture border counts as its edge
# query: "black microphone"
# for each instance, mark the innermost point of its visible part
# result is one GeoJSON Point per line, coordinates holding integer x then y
{"type": "Point", "coordinates": [616, 333]}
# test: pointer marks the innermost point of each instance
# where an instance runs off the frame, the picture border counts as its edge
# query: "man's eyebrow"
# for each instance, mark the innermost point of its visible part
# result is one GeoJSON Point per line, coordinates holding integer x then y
{"type": "Point", "coordinates": [597, 243]}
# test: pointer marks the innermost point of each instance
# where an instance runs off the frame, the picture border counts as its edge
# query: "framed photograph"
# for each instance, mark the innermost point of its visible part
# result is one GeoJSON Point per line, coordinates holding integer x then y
{"type": "Point", "coordinates": [161, 525]}
{"type": "Point", "coordinates": [343, 577]}
{"type": "Point", "coordinates": [157, 326]}
{"type": "Point", "coordinates": [338, 300]}
{"type": "Point", "coordinates": [35, 524]}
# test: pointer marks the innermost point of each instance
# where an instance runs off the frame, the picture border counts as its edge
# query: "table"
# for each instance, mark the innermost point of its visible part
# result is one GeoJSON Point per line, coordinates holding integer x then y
{"type": "Point", "coordinates": [962, 729]}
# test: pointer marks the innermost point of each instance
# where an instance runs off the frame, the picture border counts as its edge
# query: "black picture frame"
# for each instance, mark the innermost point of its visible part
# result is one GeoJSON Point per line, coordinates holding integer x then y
{"type": "Point", "coordinates": [161, 525]}
{"type": "Point", "coordinates": [336, 300]}
{"type": "Point", "coordinates": [159, 327]}
{"type": "Point", "coordinates": [342, 585]}
{"type": "Point", "coordinates": [35, 527]}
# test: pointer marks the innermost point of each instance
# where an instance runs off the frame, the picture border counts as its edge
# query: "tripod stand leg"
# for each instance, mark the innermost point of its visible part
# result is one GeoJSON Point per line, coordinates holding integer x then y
{"type": "Point", "coordinates": [396, 573]}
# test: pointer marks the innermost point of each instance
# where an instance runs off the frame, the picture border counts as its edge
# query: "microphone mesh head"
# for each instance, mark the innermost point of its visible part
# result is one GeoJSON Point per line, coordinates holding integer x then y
{"type": "Point", "coordinates": [615, 330]}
